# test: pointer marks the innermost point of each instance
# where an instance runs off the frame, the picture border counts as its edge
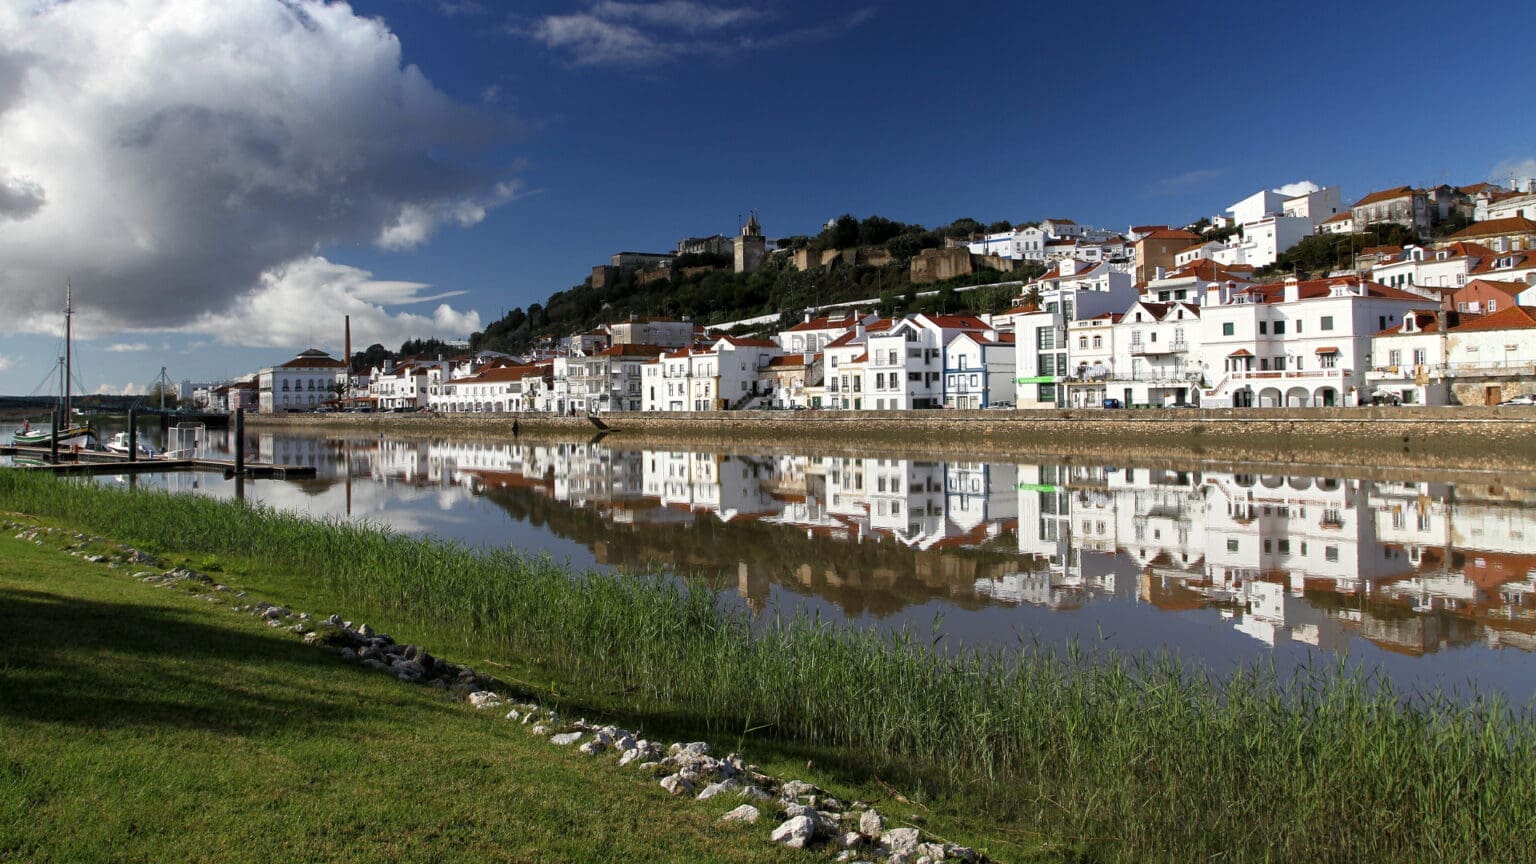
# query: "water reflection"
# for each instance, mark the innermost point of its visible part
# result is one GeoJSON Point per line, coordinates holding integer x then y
{"type": "Point", "coordinates": [1223, 566]}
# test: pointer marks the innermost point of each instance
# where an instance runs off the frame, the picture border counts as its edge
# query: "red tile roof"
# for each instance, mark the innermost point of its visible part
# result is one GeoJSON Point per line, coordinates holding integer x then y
{"type": "Point", "coordinates": [1385, 195]}
{"type": "Point", "coordinates": [1342, 217]}
{"type": "Point", "coordinates": [1508, 318]}
{"type": "Point", "coordinates": [1497, 228]}
{"type": "Point", "coordinates": [314, 358]}
{"type": "Point", "coordinates": [1171, 234]}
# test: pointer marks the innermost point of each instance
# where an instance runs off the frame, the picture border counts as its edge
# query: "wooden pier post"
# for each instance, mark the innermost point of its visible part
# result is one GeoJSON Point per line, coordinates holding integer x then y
{"type": "Point", "coordinates": [53, 445]}
{"type": "Point", "coordinates": [133, 434]}
{"type": "Point", "coordinates": [239, 442]}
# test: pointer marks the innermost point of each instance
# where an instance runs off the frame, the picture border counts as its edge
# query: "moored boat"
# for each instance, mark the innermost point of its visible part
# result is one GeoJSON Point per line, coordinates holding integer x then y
{"type": "Point", "coordinates": [119, 444]}
{"type": "Point", "coordinates": [27, 436]}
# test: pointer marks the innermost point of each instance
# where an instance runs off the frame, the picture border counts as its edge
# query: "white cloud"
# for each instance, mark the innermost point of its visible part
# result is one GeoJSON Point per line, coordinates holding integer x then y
{"type": "Point", "coordinates": [129, 389]}
{"type": "Point", "coordinates": [6, 362]}
{"type": "Point", "coordinates": [126, 347]}
{"type": "Point", "coordinates": [19, 197]}
{"type": "Point", "coordinates": [1514, 173]}
{"type": "Point", "coordinates": [613, 33]}
{"type": "Point", "coordinates": [1300, 187]}
{"type": "Point", "coordinates": [303, 303]}
{"type": "Point", "coordinates": [1187, 180]}
{"type": "Point", "coordinates": [165, 155]}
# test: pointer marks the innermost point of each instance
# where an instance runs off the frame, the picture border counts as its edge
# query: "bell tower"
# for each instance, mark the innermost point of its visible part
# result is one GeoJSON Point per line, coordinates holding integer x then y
{"type": "Point", "coordinates": [751, 247]}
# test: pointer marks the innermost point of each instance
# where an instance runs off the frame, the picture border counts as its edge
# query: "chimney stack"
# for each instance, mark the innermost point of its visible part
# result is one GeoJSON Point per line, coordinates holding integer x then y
{"type": "Point", "coordinates": [1292, 289]}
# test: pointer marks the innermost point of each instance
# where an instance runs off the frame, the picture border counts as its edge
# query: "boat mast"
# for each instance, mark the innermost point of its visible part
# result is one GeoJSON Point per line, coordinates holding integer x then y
{"type": "Point", "coordinates": [68, 342]}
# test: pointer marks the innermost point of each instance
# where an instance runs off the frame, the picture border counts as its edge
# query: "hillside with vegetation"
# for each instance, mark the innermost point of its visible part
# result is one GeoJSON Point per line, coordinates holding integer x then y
{"type": "Point", "coordinates": [705, 289]}
{"type": "Point", "coordinates": [1321, 254]}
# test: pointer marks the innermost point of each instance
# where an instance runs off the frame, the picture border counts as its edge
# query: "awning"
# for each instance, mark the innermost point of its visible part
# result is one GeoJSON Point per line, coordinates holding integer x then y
{"type": "Point", "coordinates": [1329, 350]}
{"type": "Point", "coordinates": [1241, 352]}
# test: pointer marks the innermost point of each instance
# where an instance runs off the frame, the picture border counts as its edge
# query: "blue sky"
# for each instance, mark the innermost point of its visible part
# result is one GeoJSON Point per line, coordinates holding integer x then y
{"type": "Point", "coordinates": [221, 182]}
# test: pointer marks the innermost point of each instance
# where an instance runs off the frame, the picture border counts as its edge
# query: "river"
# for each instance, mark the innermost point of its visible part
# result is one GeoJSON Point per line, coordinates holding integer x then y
{"type": "Point", "coordinates": [1433, 584]}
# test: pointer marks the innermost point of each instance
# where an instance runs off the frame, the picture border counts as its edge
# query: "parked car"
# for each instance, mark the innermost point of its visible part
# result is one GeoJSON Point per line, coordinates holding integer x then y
{"type": "Point", "coordinates": [1525, 399]}
{"type": "Point", "coordinates": [1003, 404]}
{"type": "Point", "coordinates": [1113, 403]}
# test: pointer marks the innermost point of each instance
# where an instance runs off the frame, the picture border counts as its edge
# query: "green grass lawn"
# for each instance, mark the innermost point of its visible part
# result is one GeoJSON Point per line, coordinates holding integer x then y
{"type": "Point", "coordinates": [143, 724]}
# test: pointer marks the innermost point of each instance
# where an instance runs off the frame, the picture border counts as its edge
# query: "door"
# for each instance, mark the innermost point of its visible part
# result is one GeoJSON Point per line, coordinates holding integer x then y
{"type": "Point", "coordinates": [1493, 394]}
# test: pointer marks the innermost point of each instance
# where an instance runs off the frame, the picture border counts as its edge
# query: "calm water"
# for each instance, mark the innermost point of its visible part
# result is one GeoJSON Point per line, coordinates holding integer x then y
{"type": "Point", "coordinates": [1434, 584]}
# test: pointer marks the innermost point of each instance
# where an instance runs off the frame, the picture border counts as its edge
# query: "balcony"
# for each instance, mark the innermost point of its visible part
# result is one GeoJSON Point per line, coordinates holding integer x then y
{"type": "Point", "coordinates": [1177, 346]}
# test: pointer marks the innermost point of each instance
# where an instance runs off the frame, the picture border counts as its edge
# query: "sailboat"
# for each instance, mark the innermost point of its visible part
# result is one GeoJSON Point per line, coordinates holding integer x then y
{"type": "Point", "coordinates": [35, 437]}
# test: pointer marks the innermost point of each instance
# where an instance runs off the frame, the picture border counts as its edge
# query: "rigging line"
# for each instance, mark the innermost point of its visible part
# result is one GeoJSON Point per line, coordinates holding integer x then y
{"type": "Point", "coordinates": [46, 378]}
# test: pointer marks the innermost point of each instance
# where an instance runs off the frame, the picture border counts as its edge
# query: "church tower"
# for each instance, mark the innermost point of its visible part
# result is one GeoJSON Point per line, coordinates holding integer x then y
{"type": "Point", "coordinates": [751, 247]}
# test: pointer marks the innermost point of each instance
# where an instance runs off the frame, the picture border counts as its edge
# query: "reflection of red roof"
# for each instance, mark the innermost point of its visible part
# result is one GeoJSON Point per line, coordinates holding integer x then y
{"type": "Point", "coordinates": [1489, 570]}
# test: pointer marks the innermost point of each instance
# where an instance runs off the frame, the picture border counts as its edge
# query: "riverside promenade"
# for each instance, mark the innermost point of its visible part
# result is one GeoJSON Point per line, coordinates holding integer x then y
{"type": "Point", "coordinates": [1499, 440]}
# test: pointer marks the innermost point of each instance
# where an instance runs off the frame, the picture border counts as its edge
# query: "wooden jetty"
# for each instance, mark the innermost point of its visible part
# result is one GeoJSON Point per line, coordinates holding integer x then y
{"type": "Point", "coordinates": [92, 462]}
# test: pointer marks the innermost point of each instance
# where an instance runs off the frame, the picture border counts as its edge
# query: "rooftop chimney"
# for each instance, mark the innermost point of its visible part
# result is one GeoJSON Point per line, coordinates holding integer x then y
{"type": "Point", "coordinates": [1292, 289]}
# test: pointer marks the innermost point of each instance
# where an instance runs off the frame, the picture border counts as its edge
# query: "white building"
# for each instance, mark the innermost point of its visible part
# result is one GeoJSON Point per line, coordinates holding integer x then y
{"type": "Point", "coordinates": [1447, 358]}
{"type": "Point", "coordinates": [1294, 343]}
{"type": "Point", "coordinates": [979, 371]}
{"type": "Point", "coordinates": [302, 384]}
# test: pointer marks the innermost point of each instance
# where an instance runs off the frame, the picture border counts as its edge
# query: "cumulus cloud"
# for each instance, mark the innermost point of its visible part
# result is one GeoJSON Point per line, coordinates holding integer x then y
{"type": "Point", "coordinates": [19, 198]}
{"type": "Point", "coordinates": [129, 389]}
{"type": "Point", "coordinates": [1514, 173]}
{"type": "Point", "coordinates": [174, 159]}
{"type": "Point", "coordinates": [6, 362]}
{"type": "Point", "coordinates": [613, 33]}
{"type": "Point", "coordinates": [311, 295]}
{"type": "Point", "coordinates": [127, 347]}
{"type": "Point", "coordinates": [1300, 187]}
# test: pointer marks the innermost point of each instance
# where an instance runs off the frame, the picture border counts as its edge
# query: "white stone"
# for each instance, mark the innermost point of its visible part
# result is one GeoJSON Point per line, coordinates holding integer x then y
{"type": "Point", "coordinates": [871, 824]}
{"type": "Point", "coordinates": [484, 699]}
{"type": "Point", "coordinates": [565, 738]}
{"type": "Point", "coordinates": [796, 788]}
{"type": "Point", "coordinates": [677, 784]}
{"type": "Point", "coordinates": [720, 788]}
{"type": "Point", "coordinates": [745, 813]}
{"type": "Point", "coordinates": [901, 840]}
{"type": "Point", "coordinates": [628, 757]}
{"type": "Point", "coordinates": [795, 833]}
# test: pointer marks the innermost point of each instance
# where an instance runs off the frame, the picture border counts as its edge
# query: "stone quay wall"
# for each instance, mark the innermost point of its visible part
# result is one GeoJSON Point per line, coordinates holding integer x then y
{"type": "Point", "coordinates": [1382, 439]}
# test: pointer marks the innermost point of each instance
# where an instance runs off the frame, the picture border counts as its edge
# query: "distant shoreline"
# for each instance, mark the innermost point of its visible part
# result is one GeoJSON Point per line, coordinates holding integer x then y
{"type": "Point", "coordinates": [1457, 438]}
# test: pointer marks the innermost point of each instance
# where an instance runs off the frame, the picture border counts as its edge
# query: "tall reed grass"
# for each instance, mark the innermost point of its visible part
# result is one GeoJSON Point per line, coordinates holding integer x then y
{"type": "Point", "coordinates": [1129, 758]}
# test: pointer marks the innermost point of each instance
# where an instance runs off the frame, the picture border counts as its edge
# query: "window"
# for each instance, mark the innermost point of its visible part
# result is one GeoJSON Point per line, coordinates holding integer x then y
{"type": "Point", "coordinates": [1420, 356]}
{"type": "Point", "coordinates": [1493, 305]}
{"type": "Point", "coordinates": [1228, 329]}
{"type": "Point", "coordinates": [1330, 553]}
{"type": "Point", "coordinates": [1082, 341]}
{"type": "Point", "coordinates": [1231, 545]}
{"type": "Point", "coordinates": [1045, 338]}
{"type": "Point", "coordinates": [1279, 328]}
{"type": "Point", "coordinates": [1395, 357]}
{"type": "Point", "coordinates": [1098, 342]}
{"type": "Point", "coordinates": [1328, 361]}
{"type": "Point", "coordinates": [1263, 328]}
{"type": "Point", "coordinates": [1327, 322]}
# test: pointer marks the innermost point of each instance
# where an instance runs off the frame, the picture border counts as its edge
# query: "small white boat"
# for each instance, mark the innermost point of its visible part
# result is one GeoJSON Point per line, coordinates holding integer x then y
{"type": "Point", "coordinates": [119, 444]}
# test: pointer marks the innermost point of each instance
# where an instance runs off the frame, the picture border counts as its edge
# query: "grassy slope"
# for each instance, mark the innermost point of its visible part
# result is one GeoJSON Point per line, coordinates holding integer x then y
{"type": "Point", "coordinates": [142, 724]}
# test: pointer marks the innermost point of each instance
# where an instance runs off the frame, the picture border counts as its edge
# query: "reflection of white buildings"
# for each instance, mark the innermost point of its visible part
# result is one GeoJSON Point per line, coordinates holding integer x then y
{"type": "Point", "coordinates": [1278, 558]}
